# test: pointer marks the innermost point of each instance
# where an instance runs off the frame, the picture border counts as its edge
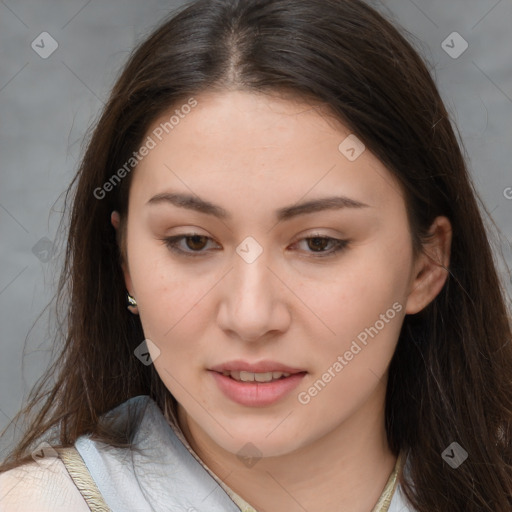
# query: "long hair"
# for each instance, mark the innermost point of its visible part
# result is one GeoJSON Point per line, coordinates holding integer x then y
{"type": "Point", "coordinates": [450, 379]}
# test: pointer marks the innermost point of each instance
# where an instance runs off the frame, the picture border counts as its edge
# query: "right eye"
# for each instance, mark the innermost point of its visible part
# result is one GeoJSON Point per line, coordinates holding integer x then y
{"type": "Point", "coordinates": [194, 241]}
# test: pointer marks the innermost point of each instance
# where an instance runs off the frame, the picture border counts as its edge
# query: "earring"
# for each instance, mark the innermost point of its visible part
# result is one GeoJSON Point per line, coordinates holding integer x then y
{"type": "Point", "coordinates": [131, 301]}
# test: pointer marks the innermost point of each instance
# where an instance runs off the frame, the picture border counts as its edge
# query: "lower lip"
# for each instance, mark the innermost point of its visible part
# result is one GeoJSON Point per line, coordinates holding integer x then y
{"type": "Point", "coordinates": [257, 394]}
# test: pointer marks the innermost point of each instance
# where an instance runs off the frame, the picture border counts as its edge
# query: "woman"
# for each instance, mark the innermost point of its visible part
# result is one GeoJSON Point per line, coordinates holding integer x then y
{"type": "Point", "coordinates": [314, 319]}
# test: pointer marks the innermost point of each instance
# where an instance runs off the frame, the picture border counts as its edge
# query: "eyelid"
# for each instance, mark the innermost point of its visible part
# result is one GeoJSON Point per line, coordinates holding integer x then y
{"type": "Point", "coordinates": [171, 242]}
{"type": "Point", "coordinates": [339, 244]}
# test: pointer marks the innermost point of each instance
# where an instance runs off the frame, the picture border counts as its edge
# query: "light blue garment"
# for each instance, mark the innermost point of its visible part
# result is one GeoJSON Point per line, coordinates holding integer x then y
{"type": "Point", "coordinates": [162, 476]}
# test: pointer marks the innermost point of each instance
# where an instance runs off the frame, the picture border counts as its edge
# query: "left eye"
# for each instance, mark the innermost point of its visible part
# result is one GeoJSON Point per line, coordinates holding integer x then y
{"type": "Point", "coordinates": [196, 244]}
{"type": "Point", "coordinates": [319, 243]}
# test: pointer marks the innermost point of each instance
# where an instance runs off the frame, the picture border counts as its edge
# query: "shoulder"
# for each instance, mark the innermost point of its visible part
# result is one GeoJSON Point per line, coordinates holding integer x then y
{"type": "Point", "coordinates": [43, 486]}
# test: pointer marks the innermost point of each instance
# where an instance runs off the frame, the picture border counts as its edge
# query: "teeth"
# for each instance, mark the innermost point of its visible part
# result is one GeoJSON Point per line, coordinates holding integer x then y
{"type": "Point", "coordinates": [252, 377]}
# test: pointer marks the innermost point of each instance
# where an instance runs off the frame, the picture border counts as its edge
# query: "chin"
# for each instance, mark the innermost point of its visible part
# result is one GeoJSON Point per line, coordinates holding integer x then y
{"type": "Point", "coordinates": [257, 442]}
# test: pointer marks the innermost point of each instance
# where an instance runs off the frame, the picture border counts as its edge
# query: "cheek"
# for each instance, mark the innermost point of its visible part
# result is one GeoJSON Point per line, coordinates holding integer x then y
{"type": "Point", "coordinates": [171, 305]}
{"type": "Point", "coordinates": [174, 319]}
{"type": "Point", "coordinates": [160, 292]}
{"type": "Point", "coordinates": [364, 307]}
{"type": "Point", "coordinates": [354, 294]}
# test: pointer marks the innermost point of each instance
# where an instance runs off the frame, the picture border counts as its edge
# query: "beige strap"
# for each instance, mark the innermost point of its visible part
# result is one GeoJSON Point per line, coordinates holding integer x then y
{"type": "Point", "coordinates": [82, 478]}
{"type": "Point", "coordinates": [387, 495]}
{"type": "Point", "coordinates": [80, 475]}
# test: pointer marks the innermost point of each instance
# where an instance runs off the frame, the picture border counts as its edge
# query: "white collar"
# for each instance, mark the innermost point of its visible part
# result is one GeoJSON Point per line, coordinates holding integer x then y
{"type": "Point", "coordinates": [162, 472]}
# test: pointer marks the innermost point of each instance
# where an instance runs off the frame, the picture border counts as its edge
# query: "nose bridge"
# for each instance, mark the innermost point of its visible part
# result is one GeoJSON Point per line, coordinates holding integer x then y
{"type": "Point", "coordinates": [250, 274]}
{"type": "Point", "coordinates": [250, 301]}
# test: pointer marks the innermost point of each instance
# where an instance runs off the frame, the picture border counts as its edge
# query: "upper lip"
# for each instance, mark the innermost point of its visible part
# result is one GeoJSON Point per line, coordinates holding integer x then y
{"type": "Point", "coordinates": [260, 367]}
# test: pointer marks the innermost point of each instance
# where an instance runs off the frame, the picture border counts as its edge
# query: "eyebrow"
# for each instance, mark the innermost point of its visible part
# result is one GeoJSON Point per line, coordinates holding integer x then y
{"type": "Point", "coordinates": [193, 202]}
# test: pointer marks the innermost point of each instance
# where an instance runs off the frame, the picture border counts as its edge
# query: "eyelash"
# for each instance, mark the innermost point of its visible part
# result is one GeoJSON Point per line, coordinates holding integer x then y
{"type": "Point", "coordinates": [172, 242]}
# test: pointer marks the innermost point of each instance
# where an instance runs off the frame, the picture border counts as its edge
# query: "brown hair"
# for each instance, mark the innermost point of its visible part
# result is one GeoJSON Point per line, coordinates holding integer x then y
{"type": "Point", "coordinates": [451, 375]}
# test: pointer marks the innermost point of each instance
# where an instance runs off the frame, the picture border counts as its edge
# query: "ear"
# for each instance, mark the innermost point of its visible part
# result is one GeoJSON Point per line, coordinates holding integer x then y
{"type": "Point", "coordinates": [115, 220]}
{"type": "Point", "coordinates": [431, 267]}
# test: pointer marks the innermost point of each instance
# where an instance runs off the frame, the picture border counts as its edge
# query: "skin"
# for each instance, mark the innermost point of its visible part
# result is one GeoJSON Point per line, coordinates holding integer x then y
{"type": "Point", "coordinates": [252, 154]}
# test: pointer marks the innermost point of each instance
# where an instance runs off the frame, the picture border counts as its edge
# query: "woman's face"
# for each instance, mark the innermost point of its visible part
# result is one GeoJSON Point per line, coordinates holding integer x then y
{"type": "Point", "coordinates": [260, 288]}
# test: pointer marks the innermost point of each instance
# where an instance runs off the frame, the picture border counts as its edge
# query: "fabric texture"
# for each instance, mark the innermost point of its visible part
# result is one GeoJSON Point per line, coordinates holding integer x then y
{"type": "Point", "coordinates": [158, 475]}
{"type": "Point", "coordinates": [163, 473]}
{"type": "Point", "coordinates": [80, 475]}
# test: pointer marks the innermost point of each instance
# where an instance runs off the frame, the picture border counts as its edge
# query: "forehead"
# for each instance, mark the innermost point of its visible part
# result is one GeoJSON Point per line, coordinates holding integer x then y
{"type": "Point", "coordinates": [265, 148]}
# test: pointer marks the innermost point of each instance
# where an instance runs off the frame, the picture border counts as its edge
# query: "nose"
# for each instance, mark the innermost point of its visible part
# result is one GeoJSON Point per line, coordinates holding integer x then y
{"type": "Point", "coordinates": [255, 303]}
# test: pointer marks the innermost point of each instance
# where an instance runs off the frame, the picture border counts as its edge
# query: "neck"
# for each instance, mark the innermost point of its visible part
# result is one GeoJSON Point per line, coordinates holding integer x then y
{"type": "Point", "coordinates": [345, 469]}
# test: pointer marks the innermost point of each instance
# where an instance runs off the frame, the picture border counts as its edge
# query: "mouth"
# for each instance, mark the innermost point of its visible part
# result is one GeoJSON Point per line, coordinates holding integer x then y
{"type": "Point", "coordinates": [243, 376]}
{"type": "Point", "coordinates": [263, 371]}
{"type": "Point", "coordinates": [256, 385]}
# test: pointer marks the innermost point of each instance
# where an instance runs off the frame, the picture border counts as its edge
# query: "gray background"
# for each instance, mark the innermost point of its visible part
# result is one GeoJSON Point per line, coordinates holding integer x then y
{"type": "Point", "coordinates": [47, 105]}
